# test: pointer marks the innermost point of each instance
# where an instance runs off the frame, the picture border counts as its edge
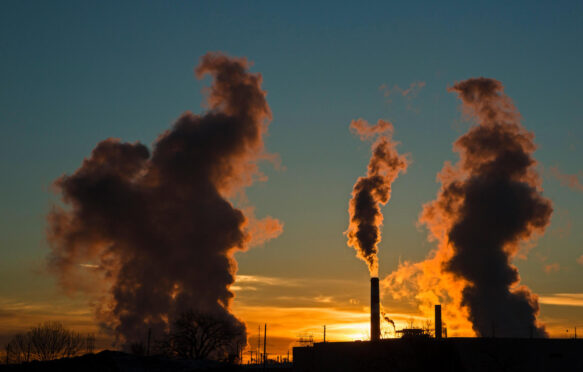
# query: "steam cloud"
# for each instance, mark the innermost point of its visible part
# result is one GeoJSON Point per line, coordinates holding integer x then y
{"type": "Point", "coordinates": [159, 227]}
{"type": "Point", "coordinates": [489, 203]}
{"type": "Point", "coordinates": [383, 168]}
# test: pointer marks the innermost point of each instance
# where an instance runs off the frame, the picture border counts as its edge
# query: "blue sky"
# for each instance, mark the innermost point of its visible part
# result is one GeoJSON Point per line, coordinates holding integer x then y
{"type": "Point", "coordinates": [74, 73]}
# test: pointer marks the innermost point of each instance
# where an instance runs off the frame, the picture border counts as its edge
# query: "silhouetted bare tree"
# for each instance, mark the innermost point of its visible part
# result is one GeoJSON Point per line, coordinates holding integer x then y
{"type": "Point", "coordinates": [49, 340]}
{"type": "Point", "coordinates": [74, 344]}
{"type": "Point", "coordinates": [197, 335]}
{"type": "Point", "coordinates": [90, 343]}
{"type": "Point", "coordinates": [20, 348]}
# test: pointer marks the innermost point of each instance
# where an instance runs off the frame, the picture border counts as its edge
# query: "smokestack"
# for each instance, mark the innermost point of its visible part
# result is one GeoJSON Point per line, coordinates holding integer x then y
{"type": "Point", "coordinates": [375, 321]}
{"type": "Point", "coordinates": [438, 321]}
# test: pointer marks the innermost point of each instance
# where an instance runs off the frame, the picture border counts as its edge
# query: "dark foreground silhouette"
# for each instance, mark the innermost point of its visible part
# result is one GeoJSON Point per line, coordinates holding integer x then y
{"type": "Point", "coordinates": [452, 355]}
{"type": "Point", "coordinates": [115, 361]}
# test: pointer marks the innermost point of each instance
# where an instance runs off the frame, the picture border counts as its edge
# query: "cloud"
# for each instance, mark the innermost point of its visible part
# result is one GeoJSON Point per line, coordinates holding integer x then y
{"type": "Point", "coordinates": [411, 92]}
{"type": "Point", "coordinates": [572, 181]}
{"type": "Point", "coordinates": [564, 224]}
{"type": "Point", "coordinates": [323, 299]}
{"type": "Point", "coordinates": [413, 89]}
{"type": "Point", "coordinates": [562, 299]}
{"type": "Point", "coordinates": [341, 324]}
{"type": "Point", "coordinates": [18, 315]}
{"type": "Point", "coordinates": [267, 280]}
{"type": "Point", "coordinates": [552, 268]}
{"type": "Point", "coordinates": [408, 94]}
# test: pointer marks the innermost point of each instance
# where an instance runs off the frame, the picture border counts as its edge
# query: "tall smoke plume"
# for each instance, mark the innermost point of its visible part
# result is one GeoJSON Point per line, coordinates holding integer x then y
{"type": "Point", "coordinates": [489, 203]}
{"type": "Point", "coordinates": [373, 190]}
{"type": "Point", "coordinates": [158, 227]}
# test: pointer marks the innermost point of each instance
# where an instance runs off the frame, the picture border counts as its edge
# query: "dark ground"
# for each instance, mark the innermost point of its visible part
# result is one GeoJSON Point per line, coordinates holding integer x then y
{"type": "Point", "coordinates": [448, 355]}
{"type": "Point", "coordinates": [115, 361]}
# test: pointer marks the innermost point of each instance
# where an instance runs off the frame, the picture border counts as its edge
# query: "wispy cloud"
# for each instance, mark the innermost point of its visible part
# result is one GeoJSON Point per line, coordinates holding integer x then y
{"type": "Point", "coordinates": [552, 268]}
{"type": "Point", "coordinates": [18, 315]}
{"type": "Point", "coordinates": [48, 309]}
{"type": "Point", "coordinates": [408, 93]}
{"type": "Point", "coordinates": [341, 324]}
{"type": "Point", "coordinates": [572, 181]}
{"type": "Point", "coordinates": [240, 288]}
{"type": "Point", "coordinates": [323, 299]}
{"type": "Point", "coordinates": [267, 280]}
{"type": "Point", "coordinates": [562, 299]}
{"type": "Point", "coordinates": [244, 280]}
{"type": "Point", "coordinates": [563, 222]}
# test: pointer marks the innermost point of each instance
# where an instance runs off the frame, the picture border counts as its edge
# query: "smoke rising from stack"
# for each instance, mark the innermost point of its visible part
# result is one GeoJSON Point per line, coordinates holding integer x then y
{"type": "Point", "coordinates": [159, 227]}
{"type": "Point", "coordinates": [489, 203]}
{"type": "Point", "coordinates": [390, 321]}
{"type": "Point", "coordinates": [373, 190]}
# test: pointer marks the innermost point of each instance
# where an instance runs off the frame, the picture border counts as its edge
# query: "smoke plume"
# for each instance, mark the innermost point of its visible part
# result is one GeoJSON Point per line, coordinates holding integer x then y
{"type": "Point", "coordinates": [159, 227]}
{"type": "Point", "coordinates": [390, 321]}
{"type": "Point", "coordinates": [373, 190]}
{"type": "Point", "coordinates": [572, 181]}
{"type": "Point", "coordinates": [489, 203]}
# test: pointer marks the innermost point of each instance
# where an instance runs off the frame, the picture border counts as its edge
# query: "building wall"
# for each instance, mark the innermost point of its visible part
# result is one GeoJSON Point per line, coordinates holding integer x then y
{"type": "Point", "coordinates": [453, 354]}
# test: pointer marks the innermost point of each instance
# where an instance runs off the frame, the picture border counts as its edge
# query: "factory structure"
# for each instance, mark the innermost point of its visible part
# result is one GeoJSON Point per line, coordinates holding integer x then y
{"type": "Point", "coordinates": [418, 350]}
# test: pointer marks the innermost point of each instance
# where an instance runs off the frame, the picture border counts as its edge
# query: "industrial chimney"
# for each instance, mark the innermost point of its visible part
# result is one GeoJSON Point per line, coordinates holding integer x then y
{"type": "Point", "coordinates": [438, 326]}
{"type": "Point", "coordinates": [375, 320]}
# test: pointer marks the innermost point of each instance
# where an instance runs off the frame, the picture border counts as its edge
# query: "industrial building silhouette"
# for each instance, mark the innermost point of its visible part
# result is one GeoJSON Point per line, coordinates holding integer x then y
{"type": "Point", "coordinates": [417, 350]}
{"type": "Point", "coordinates": [446, 354]}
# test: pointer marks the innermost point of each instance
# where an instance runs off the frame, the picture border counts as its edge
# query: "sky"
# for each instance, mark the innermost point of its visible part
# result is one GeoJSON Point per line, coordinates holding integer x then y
{"type": "Point", "coordinates": [75, 73]}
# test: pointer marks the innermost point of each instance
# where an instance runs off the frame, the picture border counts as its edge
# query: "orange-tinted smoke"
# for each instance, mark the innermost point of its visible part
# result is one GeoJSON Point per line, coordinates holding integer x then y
{"type": "Point", "coordinates": [158, 227]}
{"type": "Point", "coordinates": [488, 204]}
{"type": "Point", "coordinates": [572, 181]}
{"type": "Point", "coordinates": [373, 190]}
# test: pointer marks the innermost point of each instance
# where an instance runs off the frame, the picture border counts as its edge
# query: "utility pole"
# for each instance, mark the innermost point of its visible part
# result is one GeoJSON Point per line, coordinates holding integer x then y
{"type": "Point", "coordinates": [493, 330]}
{"type": "Point", "coordinates": [265, 346]}
{"type": "Point", "coordinates": [258, 344]}
{"type": "Point", "coordinates": [324, 333]}
{"type": "Point", "coordinates": [575, 333]}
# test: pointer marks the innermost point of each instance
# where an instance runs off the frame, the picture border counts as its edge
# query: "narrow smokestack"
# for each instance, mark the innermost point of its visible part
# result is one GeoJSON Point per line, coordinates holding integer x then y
{"type": "Point", "coordinates": [375, 321]}
{"type": "Point", "coordinates": [438, 326]}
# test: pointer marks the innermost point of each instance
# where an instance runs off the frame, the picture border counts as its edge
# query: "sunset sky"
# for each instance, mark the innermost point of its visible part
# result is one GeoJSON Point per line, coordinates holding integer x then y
{"type": "Point", "coordinates": [75, 73]}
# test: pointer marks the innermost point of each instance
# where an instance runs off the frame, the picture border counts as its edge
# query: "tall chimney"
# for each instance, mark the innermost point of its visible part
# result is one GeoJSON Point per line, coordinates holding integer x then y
{"type": "Point", "coordinates": [375, 321]}
{"type": "Point", "coordinates": [438, 321]}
